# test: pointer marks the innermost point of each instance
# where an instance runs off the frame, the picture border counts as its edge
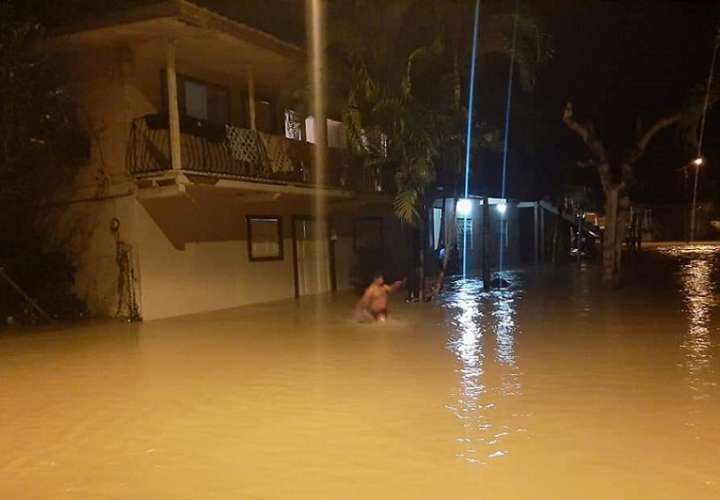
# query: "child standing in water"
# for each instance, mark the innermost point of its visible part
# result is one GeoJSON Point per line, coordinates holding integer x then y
{"type": "Point", "coordinates": [375, 299]}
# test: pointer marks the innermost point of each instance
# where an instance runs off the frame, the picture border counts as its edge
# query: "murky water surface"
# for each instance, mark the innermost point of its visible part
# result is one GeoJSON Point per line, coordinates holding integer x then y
{"type": "Point", "coordinates": [552, 389]}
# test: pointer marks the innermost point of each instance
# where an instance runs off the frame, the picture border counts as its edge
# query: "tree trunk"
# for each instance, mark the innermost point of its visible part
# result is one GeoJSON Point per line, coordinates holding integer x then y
{"type": "Point", "coordinates": [617, 206]}
{"type": "Point", "coordinates": [609, 248]}
{"type": "Point", "coordinates": [623, 218]}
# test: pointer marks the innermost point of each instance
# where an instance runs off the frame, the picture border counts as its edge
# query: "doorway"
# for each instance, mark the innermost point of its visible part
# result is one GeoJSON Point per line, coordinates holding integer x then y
{"type": "Point", "coordinates": [313, 256]}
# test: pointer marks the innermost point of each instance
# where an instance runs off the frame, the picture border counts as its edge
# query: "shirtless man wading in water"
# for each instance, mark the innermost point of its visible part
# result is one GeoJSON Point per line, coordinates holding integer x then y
{"type": "Point", "coordinates": [375, 299]}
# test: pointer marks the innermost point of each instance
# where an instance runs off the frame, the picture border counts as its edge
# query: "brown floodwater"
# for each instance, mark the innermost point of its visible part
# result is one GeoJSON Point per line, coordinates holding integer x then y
{"type": "Point", "coordinates": [552, 389]}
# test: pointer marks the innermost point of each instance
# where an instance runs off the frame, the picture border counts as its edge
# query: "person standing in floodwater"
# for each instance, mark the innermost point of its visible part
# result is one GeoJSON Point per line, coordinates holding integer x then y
{"type": "Point", "coordinates": [375, 299]}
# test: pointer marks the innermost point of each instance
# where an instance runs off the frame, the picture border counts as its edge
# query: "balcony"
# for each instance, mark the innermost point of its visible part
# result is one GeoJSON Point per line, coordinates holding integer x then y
{"type": "Point", "coordinates": [228, 152]}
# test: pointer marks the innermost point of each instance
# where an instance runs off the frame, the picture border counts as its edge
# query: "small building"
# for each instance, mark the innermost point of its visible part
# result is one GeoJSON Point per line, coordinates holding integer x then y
{"type": "Point", "coordinates": [672, 221]}
{"type": "Point", "coordinates": [200, 190]}
{"type": "Point", "coordinates": [508, 236]}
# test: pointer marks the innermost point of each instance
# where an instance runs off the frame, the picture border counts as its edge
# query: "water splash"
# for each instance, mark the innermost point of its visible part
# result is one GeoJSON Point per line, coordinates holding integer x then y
{"type": "Point", "coordinates": [468, 139]}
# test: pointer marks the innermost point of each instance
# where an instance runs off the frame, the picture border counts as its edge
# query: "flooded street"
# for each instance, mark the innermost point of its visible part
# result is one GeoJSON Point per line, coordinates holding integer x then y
{"type": "Point", "coordinates": [554, 388]}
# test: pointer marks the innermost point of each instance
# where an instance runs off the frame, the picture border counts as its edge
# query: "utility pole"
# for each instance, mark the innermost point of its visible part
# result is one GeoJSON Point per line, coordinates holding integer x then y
{"type": "Point", "coordinates": [699, 160]}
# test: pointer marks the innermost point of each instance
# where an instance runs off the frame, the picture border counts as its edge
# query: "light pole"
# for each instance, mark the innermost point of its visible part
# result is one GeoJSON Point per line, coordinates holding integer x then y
{"type": "Point", "coordinates": [697, 162]}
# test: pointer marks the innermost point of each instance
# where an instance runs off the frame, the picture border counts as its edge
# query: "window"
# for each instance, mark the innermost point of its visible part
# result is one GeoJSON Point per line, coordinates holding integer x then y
{"type": "Point", "coordinates": [294, 125]}
{"type": "Point", "coordinates": [264, 121]}
{"type": "Point", "coordinates": [464, 230]}
{"type": "Point", "coordinates": [336, 137]}
{"type": "Point", "coordinates": [203, 101]}
{"type": "Point", "coordinates": [336, 134]}
{"type": "Point", "coordinates": [368, 235]}
{"type": "Point", "coordinates": [196, 100]}
{"type": "Point", "coordinates": [264, 236]}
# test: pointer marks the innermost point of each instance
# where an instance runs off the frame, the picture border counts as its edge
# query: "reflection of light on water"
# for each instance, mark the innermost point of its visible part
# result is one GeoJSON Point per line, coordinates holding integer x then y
{"type": "Point", "coordinates": [504, 315]}
{"type": "Point", "coordinates": [475, 314]}
{"type": "Point", "coordinates": [502, 304]}
{"type": "Point", "coordinates": [698, 288]}
{"type": "Point", "coordinates": [468, 344]}
{"type": "Point", "coordinates": [583, 296]}
{"type": "Point", "coordinates": [696, 269]}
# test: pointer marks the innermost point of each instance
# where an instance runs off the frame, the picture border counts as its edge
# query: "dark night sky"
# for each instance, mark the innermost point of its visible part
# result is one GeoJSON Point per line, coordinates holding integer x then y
{"type": "Point", "coordinates": [623, 61]}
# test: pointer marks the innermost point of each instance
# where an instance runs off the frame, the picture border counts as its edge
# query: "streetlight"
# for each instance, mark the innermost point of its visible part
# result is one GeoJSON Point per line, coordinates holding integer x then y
{"type": "Point", "coordinates": [697, 162]}
{"type": "Point", "coordinates": [464, 208]}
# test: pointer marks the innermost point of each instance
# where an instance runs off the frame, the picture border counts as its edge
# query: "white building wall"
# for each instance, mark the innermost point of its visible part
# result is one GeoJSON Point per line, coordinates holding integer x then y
{"type": "Point", "coordinates": [187, 257]}
{"type": "Point", "coordinates": [207, 275]}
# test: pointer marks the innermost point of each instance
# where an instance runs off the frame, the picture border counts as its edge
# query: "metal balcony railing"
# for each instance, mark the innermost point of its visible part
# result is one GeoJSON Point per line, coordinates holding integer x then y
{"type": "Point", "coordinates": [226, 151]}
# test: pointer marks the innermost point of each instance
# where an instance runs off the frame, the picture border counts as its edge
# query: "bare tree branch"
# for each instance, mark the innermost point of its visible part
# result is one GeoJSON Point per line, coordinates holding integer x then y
{"type": "Point", "coordinates": [586, 133]}
{"type": "Point", "coordinates": [645, 136]}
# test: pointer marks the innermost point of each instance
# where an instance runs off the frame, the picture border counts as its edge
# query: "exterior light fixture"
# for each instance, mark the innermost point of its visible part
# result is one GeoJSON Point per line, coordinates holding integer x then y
{"type": "Point", "coordinates": [501, 208]}
{"type": "Point", "coordinates": [697, 162]}
{"type": "Point", "coordinates": [464, 208]}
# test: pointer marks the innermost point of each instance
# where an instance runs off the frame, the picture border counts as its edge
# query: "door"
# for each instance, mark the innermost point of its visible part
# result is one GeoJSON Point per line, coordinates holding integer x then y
{"type": "Point", "coordinates": [312, 257]}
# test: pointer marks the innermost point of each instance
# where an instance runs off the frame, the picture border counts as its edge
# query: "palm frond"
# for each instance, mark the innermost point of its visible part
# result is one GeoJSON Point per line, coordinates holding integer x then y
{"type": "Point", "coordinates": [405, 206]}
{"type": "Point", "coordinates": [533, 47]}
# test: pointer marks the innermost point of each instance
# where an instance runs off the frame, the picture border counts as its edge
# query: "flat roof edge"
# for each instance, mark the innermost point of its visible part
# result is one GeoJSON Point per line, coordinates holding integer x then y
{"type": "Point", "coordinates": [187, 13]}
{"type": "Point", "coordinates": [168, 9]}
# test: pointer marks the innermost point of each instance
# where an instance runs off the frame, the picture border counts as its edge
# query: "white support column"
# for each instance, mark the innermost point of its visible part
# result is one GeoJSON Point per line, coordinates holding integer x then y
{"type": "Point", "coordinates": [173, 109]}
{"type": "Point", "coordinates": [536, 233]}
{"type": "Point", "coordinates": [542, 234]}
{"type": "Point", "coordinates": [251, 97]}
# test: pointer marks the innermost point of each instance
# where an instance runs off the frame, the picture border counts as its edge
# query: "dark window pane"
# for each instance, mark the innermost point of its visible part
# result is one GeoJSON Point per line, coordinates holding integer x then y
{"type": "Point", "coordinates": [263, 116]}
{"type": "Point", "coordinates": [196, 100]}
{"type": "Point", "coordinates": [264, 238]}
{"type": "Point", "coordinates": [218, 105]}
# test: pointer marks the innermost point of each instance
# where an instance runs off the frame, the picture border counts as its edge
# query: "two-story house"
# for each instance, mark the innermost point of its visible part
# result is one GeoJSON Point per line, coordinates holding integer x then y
{"type": "Point", "coordinates": [199, 191]}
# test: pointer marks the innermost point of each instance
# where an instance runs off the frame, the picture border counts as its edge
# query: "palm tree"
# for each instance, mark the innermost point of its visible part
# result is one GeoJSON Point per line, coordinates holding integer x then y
{"type": "Point", "coordinates": [398, 71]}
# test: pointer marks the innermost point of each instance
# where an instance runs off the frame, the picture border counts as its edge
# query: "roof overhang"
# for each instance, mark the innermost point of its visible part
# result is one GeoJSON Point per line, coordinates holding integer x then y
{"type": "Point", "coordinates": [132, 22]}
{"type": "Point", "coordinates": [208, 46]}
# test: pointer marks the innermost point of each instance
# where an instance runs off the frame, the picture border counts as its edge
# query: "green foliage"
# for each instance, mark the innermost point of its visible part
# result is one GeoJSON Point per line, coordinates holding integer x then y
{"type": "Point", "coordinates": [405, 205]}
{"type": "Point", "coordinates": [41, 142]}
{"type": "Point", "coordinates": [41, 148]}
{"type": "Point", "coordinates": [397, 70]}
{"type": "Point", "coordinates": [532, 46]}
